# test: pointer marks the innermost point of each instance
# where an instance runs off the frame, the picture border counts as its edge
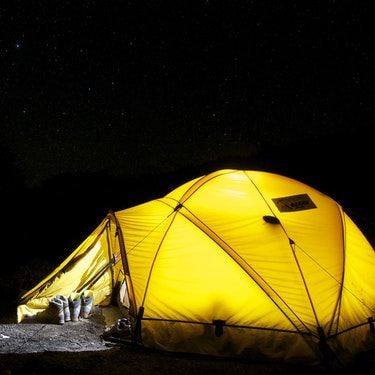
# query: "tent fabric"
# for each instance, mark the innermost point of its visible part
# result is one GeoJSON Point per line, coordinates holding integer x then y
{"type": "Point", "coordinates": [243, 264]}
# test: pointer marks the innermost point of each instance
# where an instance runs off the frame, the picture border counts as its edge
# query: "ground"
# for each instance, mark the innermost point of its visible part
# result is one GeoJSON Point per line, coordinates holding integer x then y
{"type": "Point", "coordinates": [91, 346]}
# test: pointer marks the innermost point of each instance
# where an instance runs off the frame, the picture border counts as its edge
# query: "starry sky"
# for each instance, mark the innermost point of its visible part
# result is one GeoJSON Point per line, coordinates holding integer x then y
{"type": "Point", "coordinates": [132, 87]}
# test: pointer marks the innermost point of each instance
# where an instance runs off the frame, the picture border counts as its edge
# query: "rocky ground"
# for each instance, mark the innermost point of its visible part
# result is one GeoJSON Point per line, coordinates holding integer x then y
{"type": "Point", "coordinates": [94, 346]}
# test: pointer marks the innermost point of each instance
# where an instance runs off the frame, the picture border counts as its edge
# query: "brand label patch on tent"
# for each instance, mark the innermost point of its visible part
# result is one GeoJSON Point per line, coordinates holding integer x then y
{"type": "Point", "coordinates": [294, 203]}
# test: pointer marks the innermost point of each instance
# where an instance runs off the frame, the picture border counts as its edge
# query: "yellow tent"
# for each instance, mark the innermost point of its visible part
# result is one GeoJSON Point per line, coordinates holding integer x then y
{"type": "Point", "coordinates": [235, 263]}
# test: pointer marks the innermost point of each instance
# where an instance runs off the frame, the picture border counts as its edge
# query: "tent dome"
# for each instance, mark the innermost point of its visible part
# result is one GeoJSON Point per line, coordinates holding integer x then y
{"type": "Point", "coordinates": [249, 263]}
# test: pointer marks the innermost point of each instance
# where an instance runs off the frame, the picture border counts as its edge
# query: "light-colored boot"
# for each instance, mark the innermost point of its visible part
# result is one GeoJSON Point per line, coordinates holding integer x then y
{"type": "Point", "coordinates": [74, 301]}
{"type": "Point", "coordinates": [54, 313]}
{"type": "Point", "coordinates": [87, 298]}
{"type": "Point", "coordinates": [65, 307]}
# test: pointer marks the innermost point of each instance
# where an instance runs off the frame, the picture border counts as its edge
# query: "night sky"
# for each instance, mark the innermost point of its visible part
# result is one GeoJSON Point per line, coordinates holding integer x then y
{"type": "Point", "coordinates": [106, 104]}
{"type": "Point", "coordinates": [133, 87]}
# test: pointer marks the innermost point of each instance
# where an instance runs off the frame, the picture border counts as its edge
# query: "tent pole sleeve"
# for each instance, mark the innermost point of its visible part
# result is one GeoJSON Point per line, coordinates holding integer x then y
{"type": "Point", "coordinates": [133, 305]}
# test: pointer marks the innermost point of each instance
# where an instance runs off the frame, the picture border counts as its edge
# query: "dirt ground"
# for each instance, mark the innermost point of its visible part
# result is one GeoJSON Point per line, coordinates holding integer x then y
{"type": "Point", "coordinates": [91, 346]}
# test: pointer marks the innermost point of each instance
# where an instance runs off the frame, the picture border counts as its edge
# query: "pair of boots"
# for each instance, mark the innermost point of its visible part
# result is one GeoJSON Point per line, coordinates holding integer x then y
{"type": "Point", "coordinates": [80, 305]}
{"type": "Point", "coordinates": [62, 309]}
{"type": "Point", "coordinates": [57, 311]}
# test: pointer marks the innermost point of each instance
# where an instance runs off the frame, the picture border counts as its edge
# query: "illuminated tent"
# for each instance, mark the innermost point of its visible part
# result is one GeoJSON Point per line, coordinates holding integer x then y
{"type": "Point", "coordinates": [238, 263]}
